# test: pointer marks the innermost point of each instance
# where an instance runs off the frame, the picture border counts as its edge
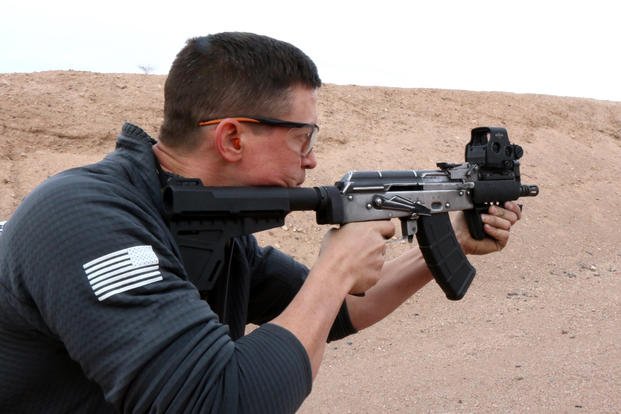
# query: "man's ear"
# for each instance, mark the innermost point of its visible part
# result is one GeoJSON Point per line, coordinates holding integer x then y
{"type": "Point", "coordinates": [228, 140]}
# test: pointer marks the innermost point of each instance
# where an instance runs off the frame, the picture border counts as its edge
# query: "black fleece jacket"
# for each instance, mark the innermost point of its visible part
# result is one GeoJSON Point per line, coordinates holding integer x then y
{"type": "Point", "coordinates": [97, 313]}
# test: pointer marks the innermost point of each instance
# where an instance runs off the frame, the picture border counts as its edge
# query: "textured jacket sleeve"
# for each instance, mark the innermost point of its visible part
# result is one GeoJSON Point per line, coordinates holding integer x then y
{"type": "Point", "coordinates": [277, 278]}
{"type": "Point", "coordinates": [97, 266]}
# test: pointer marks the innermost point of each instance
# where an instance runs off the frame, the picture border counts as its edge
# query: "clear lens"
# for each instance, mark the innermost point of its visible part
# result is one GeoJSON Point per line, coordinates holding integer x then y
{"type": "Point", "coordinates": [302, 140]}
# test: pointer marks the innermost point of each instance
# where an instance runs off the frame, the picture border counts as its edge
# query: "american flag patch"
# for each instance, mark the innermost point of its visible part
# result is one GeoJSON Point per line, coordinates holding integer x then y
{"type": "Point", "coordinates": [122, 270]}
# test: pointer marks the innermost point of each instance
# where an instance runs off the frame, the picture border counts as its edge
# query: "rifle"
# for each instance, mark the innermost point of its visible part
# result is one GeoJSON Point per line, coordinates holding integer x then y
{"type": "Point", "coordinates": [203, 220]}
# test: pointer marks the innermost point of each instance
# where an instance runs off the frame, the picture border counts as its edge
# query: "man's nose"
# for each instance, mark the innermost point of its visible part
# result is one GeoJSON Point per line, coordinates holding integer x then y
{"type": "Point", "coordinates": [309, 161]}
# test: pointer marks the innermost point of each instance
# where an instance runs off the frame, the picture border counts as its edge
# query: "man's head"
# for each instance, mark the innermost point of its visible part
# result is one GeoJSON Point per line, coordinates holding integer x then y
{"type": "Point", "coordinates": [231, 74]}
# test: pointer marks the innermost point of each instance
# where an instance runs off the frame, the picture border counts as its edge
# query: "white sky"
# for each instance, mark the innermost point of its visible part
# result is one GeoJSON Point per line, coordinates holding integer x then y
{"type": "Point", "coordinates": [567, 48]}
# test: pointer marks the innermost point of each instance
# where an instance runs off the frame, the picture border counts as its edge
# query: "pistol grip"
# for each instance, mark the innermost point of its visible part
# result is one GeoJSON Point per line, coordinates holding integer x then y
{"type": "Point", "coordinates": [444, 256]}
{"type": "Point", "coordinates": [475, 224]}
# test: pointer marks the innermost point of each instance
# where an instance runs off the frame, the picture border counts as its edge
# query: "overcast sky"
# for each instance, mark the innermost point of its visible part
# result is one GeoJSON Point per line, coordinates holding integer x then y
{"type": "Point", "coordinates": [567, 48]}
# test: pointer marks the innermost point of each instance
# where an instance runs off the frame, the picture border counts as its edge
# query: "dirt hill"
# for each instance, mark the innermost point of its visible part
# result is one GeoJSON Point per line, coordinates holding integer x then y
{"type": "Point", "coordinates": [540, 328]}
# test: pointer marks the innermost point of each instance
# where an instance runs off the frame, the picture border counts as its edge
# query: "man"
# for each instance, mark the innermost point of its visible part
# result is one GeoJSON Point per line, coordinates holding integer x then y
{"type": "Point", "coordinates": [96, 310]}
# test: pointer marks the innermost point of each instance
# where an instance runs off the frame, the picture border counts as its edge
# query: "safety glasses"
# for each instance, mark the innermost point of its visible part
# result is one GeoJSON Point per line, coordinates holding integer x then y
{"type": "Point", "coordinates": [300, 132]}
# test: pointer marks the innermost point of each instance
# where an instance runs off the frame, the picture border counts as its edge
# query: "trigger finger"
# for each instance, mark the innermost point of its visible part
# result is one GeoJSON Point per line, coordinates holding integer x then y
{"type": "Point", "coordinates": [387, 229]}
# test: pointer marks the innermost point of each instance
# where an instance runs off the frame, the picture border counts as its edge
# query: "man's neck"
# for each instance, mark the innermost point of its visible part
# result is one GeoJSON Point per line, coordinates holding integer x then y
{"type": "Point", "coordinates": [196, 164]}
{"type": "Point", "coordinates": [171, 162]}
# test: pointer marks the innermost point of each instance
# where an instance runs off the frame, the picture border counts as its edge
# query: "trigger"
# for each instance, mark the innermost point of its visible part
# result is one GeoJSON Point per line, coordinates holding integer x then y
{"type": "Point", "coordinates": [408, 229]}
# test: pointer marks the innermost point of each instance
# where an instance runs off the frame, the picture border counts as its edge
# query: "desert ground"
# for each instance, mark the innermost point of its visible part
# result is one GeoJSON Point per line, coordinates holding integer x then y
{"type": "Point", "coordinates": [540, 328]}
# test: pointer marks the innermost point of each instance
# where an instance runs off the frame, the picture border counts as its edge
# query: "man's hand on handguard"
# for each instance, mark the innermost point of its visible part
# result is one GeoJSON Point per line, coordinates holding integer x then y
{"type": "Point", "coordinates": [497, 225]}
{"type": "Point", "coordinates": [357, 251]}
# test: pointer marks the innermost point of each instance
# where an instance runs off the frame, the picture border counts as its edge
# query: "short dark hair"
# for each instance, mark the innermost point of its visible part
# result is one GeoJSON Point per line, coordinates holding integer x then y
{"type": "Point", "coordinates": [230, 74]}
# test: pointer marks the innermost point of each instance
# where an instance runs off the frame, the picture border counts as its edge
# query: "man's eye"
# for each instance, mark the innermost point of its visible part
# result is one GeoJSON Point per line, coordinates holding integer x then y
{"type": "Point", "coordinates": [303, 134]}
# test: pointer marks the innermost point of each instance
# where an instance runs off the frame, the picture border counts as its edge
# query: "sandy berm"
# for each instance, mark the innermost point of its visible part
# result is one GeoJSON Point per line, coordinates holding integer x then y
{"type": "Point", "coordinates": [540, 328]}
